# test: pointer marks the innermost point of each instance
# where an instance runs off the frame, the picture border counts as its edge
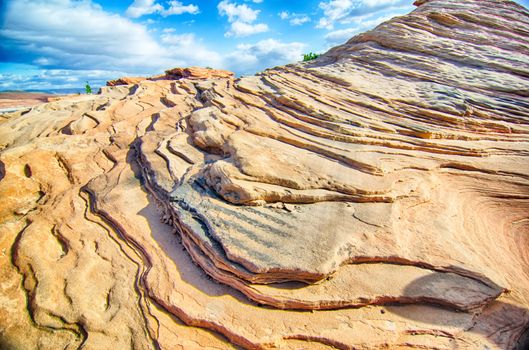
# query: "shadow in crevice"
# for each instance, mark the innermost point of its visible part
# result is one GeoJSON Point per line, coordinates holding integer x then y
{"type": "Point", "coordinates": [523, 342]}
{"type": "Point", "coordinates": [2, 170]}
{"type": "Point", "coordinates": [170, 243]}
{"type": "Point", "coordinates": [154, 119]}
{"type": "Point", "coordinates": [499, 322]}
{"type": "Point", "coordinates": [9, 344]}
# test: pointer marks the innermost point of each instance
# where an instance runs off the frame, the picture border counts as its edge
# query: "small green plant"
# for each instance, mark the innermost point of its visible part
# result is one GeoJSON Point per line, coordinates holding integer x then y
{"type": "Point", "coordinates": [87, 88]}
{"type": "Point", "coordinates": [310, 56]}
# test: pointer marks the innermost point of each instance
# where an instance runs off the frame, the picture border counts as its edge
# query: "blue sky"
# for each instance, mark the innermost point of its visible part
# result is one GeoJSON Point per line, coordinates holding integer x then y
{"type": "Point", "coordinates": [51, 44]}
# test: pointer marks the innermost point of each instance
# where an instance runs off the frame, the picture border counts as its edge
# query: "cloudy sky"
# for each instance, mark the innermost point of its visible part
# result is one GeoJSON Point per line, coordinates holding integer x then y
{"type": "Point", "coordinates": [53, 44]}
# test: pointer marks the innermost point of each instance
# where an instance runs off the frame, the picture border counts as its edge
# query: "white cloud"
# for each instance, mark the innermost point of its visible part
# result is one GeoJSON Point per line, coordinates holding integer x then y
{"type": "Point", "coordinates": [146, 7]}
{"type": "Point", "coordinates": [177, 8]}
{"type": "Point", "coordinates": [142, 7]}
{"type": "Point", "coordinates": [363, 23]}
{"type": "Point", "coordinates": [190, 50]}
{"type": "Point", "coordinates": [375, 3]}
{"type": "Point", "coordinates": [341, 35]}
{"type": "Point", "coordinates": [241, 29]}
{"type": "Point", "coordinates": [263, 54]}
{"type": "Point", "coordinates": [57, 79]}
{"type": "Point", "coordinates": [342, 10]}
{"type": "Point", "coordinates": [284, 15]}
{"type": "Point", "coordinates": [367, 23]}
{"type": "Point", "coordinates": [71, 41]}
{"type": "Point", "coordinates": [241, 18]}
{"type": "Point", "coordinates": [79, 35]}
{"type": "Point", "coordinates": [335, 10]}
{"type": "Point", "coordinates": [295, 19]}
{"type": "Point", "coordinates": [45, 61]}
{"type": "Point", "coordinates": [236, 12]}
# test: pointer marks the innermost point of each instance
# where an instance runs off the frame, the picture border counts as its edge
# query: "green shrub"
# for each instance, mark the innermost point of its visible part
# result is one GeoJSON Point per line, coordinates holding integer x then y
{"type": "Point", "coordinates": [87, 88]}
{"type": "Point", "coordinates": [310, 56]}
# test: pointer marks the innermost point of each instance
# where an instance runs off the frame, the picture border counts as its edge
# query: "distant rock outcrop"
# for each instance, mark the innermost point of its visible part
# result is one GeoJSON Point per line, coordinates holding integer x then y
{"type": "Point", "coordinates": [374, 198]}
{"type": "Point", "coordinates": [126, 81]}
{"type": "Point", "coordinates": [19, 99]}
{"type": "Point", "coordinates": [197, 73]}
{"type": "Point", "coordinates": [192, 73]}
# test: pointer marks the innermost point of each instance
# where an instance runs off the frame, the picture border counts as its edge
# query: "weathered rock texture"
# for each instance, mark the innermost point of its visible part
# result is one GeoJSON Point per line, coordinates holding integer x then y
{"type": "Point", "coordinates": [375, 198]}
{"type": "Point", "coordinates": [193, 73]}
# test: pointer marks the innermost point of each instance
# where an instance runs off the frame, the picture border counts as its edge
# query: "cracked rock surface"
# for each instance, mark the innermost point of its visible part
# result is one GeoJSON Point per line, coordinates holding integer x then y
{"type": "Point", "coordinates": [376, 197]}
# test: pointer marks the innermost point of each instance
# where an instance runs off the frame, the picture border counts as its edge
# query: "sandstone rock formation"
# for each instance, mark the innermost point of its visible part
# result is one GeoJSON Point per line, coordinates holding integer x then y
{"type": "Point", "coordinates": [374, 198]}
{"type": "Point", "coordinates": [193, 73]}
{"type": "Point", "coordinates": [126, 81]}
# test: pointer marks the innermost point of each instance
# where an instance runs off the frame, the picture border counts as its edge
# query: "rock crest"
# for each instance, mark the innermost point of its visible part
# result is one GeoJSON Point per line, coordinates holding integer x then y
{"type": "Point", "coordinates": [191, 73]}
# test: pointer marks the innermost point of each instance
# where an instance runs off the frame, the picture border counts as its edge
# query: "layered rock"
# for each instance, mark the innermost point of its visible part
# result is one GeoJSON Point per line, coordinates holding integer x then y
{"type": "Point", "coordinates": [376, 197]}
{"type": "Point", "coordinates": [193, 73]}
{"type": "Point", "coordinates": [126, 81]}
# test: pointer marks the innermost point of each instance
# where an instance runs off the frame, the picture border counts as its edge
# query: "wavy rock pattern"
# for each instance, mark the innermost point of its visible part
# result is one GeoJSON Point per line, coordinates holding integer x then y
{"type": "Point", "coordinates": [374, 198]}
